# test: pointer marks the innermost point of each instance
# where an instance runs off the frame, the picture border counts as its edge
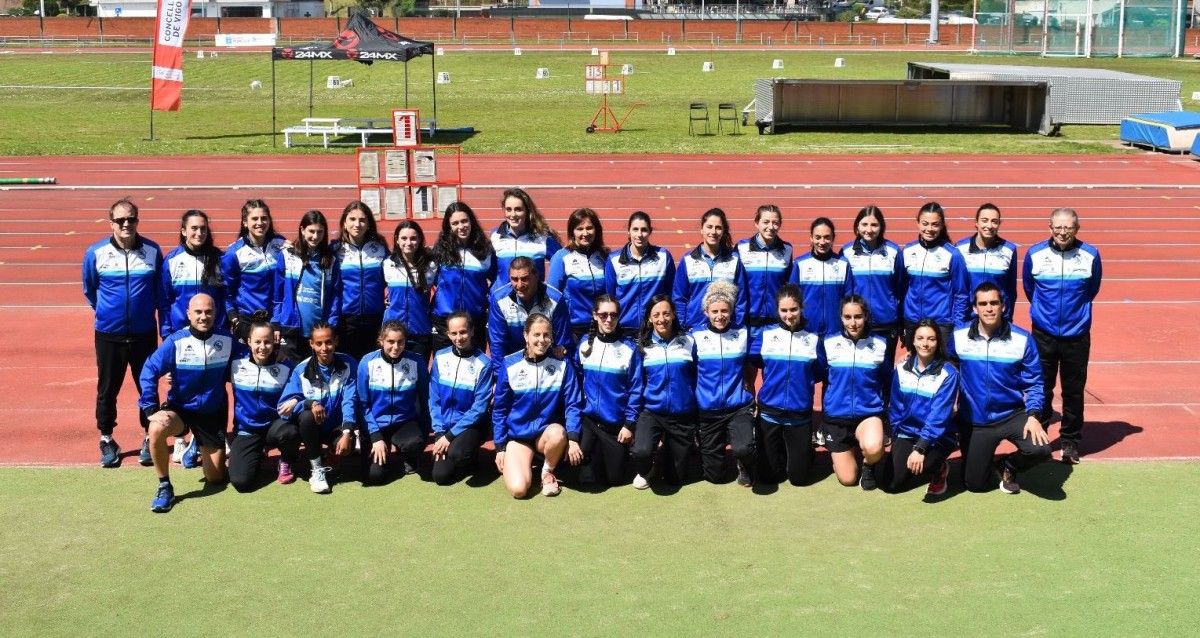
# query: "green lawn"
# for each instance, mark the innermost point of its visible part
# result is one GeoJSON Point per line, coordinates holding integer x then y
{"type": "Point", "coordinates": [495, 92]}
{"type": "Point", "coordinates": [1108, 552]}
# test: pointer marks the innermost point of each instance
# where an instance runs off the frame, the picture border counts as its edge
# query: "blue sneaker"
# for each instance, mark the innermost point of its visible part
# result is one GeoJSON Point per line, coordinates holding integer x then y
{"type": "Point", "coordinates": [110, 453]}
{"type": "Point", "coordinates": [164, 499]}
{"type": "Point", "coordinates": [191, 455]}
{"type": "Point", "coordinates": [144, 456]}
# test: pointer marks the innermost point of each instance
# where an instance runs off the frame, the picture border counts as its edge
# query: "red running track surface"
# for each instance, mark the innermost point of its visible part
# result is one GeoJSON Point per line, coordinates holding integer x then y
{"type": "Point", "coordinates": [1140, 210]}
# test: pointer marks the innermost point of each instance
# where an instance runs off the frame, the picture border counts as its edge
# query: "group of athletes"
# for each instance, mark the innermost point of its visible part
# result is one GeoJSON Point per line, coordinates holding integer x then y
{"type": "Point", "coordinates": [621, 361]}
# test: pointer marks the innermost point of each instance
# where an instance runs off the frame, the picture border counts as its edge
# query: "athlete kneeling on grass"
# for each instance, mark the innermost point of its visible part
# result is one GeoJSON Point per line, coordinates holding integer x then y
{"type": "Point", "coordinates": [536, 411]}
{"type": "Point", "coordinates": [258, 380]}
{"type": "Point", "coordinates": [923, 392]}
{"type": "Point", "coordinates": [857, 368]}
{"type": "Point", "coordinates": [790, 358]}
{"type": "Point", "coordinates": [391, 397]}
{"type": "Point", "coordinates": [669, 398]}
{"type": "Point", "coordinates": [724, 387]}
{"type": "Point", "coordinates": [198, 359]}
{"type": "Point", "coordinates": [320, 398]}
{"type": "Point", "coordinates": [612, 392]}
{"type": "Point", "coordinates": [460, 391]}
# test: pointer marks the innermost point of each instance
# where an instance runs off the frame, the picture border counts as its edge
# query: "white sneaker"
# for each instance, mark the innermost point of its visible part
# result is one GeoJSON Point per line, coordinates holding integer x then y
{"type": "Point", "coordinates": [640, 482]}
{"type": "Point", "coordinates": [317, 482]}
{"type": "Point", "coordinates": [177, 453]}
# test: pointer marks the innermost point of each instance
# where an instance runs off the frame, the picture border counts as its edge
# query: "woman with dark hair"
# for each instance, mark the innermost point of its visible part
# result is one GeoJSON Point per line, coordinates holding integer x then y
{"type": "Point", "coordinates": [636, 272]}
{"type": "Point", "coordinates": [308, 287]}
{"type": "Point", "coordinates": [612, 392]}
{"type": "Point", "coordinates": [466, 268]}
{"type": "Point", "coordinates": [877, 275]}
{"type": "Point", "coordinates": [724, 387]}
{"type": "Point", "coordinates": [767, 260]}
{"type": "Point", "coordinates": [713, 260]}
{"type": "Point", "coordinates": [248, 267]}
{"type": "Point", "coordinates": [258, 379]}
{"type": "Point", "coordinates": [936, 276]}
{"type": "Point", "coordinates": [536, 411]}
{"type": "Point", "coordinates": [410, 273]}
{"type": "Point", "coordinates": [857, 368]}
{"type": "Point", "coordinates": [461, 384]}
{"type": "Point", "coordinates": [193, 266]}
{"type": "Point", "coordinates": [577, 271]}
{"type": "Point", "coordinates": [922, 402]}
{"type": "Point", "coordinates": [392, 398]}
{"type": "Point", "coordinates": [523, 233]}
{"type": "Point", "coordinates": [360, 251]}
{"type": "Point", "coordinates": [669, 394]}
{"type": "Point", "coordinates": [821, 275]}
{"type": "Point", "coordinates": [789, 356]}
{"type": "Point", "coordinates": [991, 258]}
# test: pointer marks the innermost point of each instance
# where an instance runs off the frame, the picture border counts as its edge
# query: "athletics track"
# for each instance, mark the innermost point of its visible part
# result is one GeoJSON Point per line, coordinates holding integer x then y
{"type": "Point", "coordinates": [1140, 210]}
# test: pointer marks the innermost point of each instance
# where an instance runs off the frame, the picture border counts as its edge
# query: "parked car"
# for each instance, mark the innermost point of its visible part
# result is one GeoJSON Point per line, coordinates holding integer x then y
{"type": "Point", "coordinates": [875, 13]}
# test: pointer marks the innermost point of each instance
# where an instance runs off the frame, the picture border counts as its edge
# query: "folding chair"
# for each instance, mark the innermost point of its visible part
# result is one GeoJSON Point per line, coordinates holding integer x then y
{"type": "Point", "coordinates": [698, 112]}
{"type": "Point", "coordinates": [727, 112]}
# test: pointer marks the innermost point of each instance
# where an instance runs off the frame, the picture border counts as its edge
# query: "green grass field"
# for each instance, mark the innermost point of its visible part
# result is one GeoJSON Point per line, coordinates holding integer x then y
{"type": "Point", "coordinates": [1104, 551]}
{"type": "Point", "coordinates": [495, 92]}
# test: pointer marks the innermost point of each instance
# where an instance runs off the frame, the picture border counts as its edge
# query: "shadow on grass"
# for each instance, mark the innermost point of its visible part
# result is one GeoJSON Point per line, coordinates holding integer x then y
{"type": "Point", "coordinates": [1099, 436]}
{"type": "Point", "coordinates": [205, 489]}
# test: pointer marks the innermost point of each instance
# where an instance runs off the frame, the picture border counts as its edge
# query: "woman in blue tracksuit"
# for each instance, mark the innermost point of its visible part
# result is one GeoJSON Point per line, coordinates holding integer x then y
{"type": "Point", "coordinates": [713, 260]}
{"type": "Point", "coordinates": [821, 275]}
{"type": "Point", "coordinates": [636, 272]}
{"type": "Point", "coordinates": [857, 368]}
{"type": "Point", "coordinates": [319, 397]}
{"type": "Point", "coordinates": [936, 276]}
{"type": "Point", "coordinates": [461, 385]}
{"type": "Point", "coordinates": [790, 358]}
{"type": "Point", "coordinates": [523, 233]}
{"type": "Point", "coordinates": [724, 387]}
{"type": "Point", "coordinates": [308, 287]}
{"type": "Point", "coordinates": [577, 270]}
{"type": "Point", "coordinates": [466, 268]}
{"type": "Point", "coordinates": [767, 260]}
{"type": "Point", "coordinates": [248, 267]}
{"type": "Point", "coordinates": [536, 411]}
{"type": "Point", "coordinates": [258, 380]}
{"type": "Point", "coordinates": [360, 252]}
{"type": "Point", "coordinates": [193, 266]}
{"type": "Point", "coordinates": [611, 369]}
{"type": "Point", "coordinates": [924, 388]}
{"type": "Point", "coordinates": [391, 395]}
{"type": "Point", "coordinates": [409, 273]}
{"type": "Point", "coordinates": [990, 258]}
{"type": "Point", "coordinates": [669, 394]}
{"type": "Point", "coordinates": [876, 274]}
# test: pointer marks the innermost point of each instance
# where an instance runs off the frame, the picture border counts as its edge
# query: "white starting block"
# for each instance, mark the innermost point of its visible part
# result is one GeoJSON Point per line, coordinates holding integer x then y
{"type": "Point", "coordinates": [670, 50]}
{"type": "Point", "coordinates": [516, 50]}
{"type": "Point", "coordinates": [333, 82]}
{"type": "Point", "coordinates": [839, 62]}
{"type": "Point", "coordinates": [255, 85]}
{"type": "Point", "coordinates": [777, 64]}
{"type": "Point", "coordinates": [443, 77]}
{"type": "Point", "coordinates": [199, 55]}
{"type": "Point", "coordinates": [626, 69]}
{"type": "Point", "coordinates": [441, 51]}
{"type": "Point", "coordinates": [543, 73]}
{"type": "Point", "coordinates": [708, 67]}
{"type": "Point", "coordinates": [595, 51]}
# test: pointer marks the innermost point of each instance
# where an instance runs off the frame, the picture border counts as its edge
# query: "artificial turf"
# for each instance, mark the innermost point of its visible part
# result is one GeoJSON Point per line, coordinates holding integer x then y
{"type": "Point", "coordinates": [1106, 549]}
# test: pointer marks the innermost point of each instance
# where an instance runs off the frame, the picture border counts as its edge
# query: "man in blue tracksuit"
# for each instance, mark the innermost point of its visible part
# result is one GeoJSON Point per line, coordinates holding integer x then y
{"type": "Point", "coordinates": [514, 302]}
{"type": "Point", "coordinates": [120, 281]}
{"type": "Point", "coordinates": [1061, 280]}
{"type": "Point", "coordinates": [198, 358]}
{"type": "Point", "coordinates": [1001, 394]}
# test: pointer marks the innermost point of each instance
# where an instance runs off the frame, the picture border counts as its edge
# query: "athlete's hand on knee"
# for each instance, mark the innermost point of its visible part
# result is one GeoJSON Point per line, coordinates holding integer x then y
{"type": "Point", "coordinates": [500, 460]}
{"type": "Point", "coordinates": [289, 406]}
{"type": "Point", "coordinates": [379, 452]}
{"type": "Point", "coordinates": [916, 462]}
{"type": "Point", "coordinates": [624, 436]}
{"type": "Point", "coordinates": [318, 411]}
{"type": "Point", "coordinates": [574, 453]}
{"type": "Point", "coordinates": [440, 447]}
{"type": "Point", "coordinates": [1035, 432]}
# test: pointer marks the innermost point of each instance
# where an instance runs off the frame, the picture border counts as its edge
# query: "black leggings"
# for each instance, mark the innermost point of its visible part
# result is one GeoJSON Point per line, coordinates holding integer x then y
{"type": "Point", "coordinates": [893, 471]}
{"type": "Point", "coordinates": [358, 335]}
{"type": "Point", "coordinates": [113, 356]}
{"type": "Point", "coordinates": [247, 447]}
{"type": "Point", "coordinates": [608, 459]}
{"type": "Point", "coordinates": [311, 435]}
{"type": "Point", "coordinates": [293, 346]}
{"type": "Point", "coordinates": [460, 457]}
{"type": "Point", "coordinates": [979, 445]}
{"type": "Point", "coordinates": [735, 427]}
{"type": "Point", "coordinates": [787, 451]}
{"type": "Point", "coordinates": [409, 442]}
{"type": "Point", "coordinates": [677, 433]}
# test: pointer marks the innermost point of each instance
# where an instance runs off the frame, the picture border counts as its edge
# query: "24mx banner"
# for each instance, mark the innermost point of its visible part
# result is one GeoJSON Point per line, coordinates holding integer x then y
{"type": "Point", "coordinates": [166, 72]}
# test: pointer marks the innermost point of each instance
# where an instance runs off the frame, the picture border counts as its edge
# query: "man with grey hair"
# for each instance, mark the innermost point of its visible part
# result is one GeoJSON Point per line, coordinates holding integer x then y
{"type": "Point", "coordinates": [1061, 279]}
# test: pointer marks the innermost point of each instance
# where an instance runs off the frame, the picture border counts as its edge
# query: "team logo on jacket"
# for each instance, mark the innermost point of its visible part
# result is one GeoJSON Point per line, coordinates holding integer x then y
{"type": "Point", "coordinates": [274, 371]}
{"type": "Point", "coordinates": [218, 346]}
{"type": "Point", "coordinates": [550, 369]}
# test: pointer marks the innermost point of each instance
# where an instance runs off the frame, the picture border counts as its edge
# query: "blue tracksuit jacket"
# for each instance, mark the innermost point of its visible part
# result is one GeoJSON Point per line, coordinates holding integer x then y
{"type": "Point", "coordinates": [389, 393]}
{"type": "Point", "coordinates": [767, 268]}
{"type": "Point", "coordinates": [256, 391]}
{"type": "Point", "coordinates": [361, 271]}
{"type": "Point", "coordinates": [720, 366]}
{"type": "Point", "coordinates": [461, 385]}
{"type": "Point", "coordinates": [855, 374]}
{"type": "Point", "coordinates": [508, 247]}
{"type": "Point", "coordinates": [936, 283]}
{"type": "Point", "coordinates": [997, 264]}
{"type": "Point", "coordinates": [198, 365]}
{"type": "Point", "coordinates": [669, 370]}
{"type": "Point", "coordinates": [182, 277]}
{"type": "Point", "coordinates": [122, 286]}
{"type": "Point", "coordinates": [304, 293]}
{"type": "Point", "coordinates": [249, 274]}
{"type": "Point", "coordinates": [580, 277]}
{"type": "Point", "coordinates": [633, 282]}
{"type": "Point", "coordinates": [878, 277]}
{"type": "Point", "coordinates": [533, 393]}
{"type": "Point", "coordinates": [792, 364]}
{"type": "Point", "coordinates": [1061, 286]}
{"type": "Point", "coordinates": [695, 271]}
{"type": "Point", "coordinates": [333, 387]}
{"type": "Point", "coordinates": [999, 376]}
{"type": "Point", "coordinates": [922, 402]}
{"type": "Point", "coordinates": [612, 380]}
{"type": "Point", "coordinates": [406, 303]}
{"type": "Point", "coordinates": [823, 282]}
{"type": "Point", "coordinates": [465, 287]}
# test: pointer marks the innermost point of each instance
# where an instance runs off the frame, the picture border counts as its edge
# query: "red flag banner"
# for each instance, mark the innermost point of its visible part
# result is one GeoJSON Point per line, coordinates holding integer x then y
{"type": "Point", "coordinates": [166, 74]}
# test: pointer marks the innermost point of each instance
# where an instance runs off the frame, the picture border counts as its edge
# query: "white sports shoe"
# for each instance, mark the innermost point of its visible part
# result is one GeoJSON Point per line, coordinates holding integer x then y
{"type": "Point", "coordinates": [317, 482]}
{"type": "Point", "coordinates": [550, 485]}
{"type": "Point", "coordinates": [640, 482]}
{"type": "Point", "coordinates": [177, 452]}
